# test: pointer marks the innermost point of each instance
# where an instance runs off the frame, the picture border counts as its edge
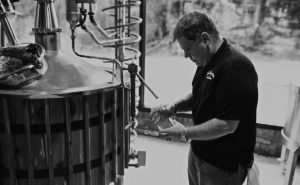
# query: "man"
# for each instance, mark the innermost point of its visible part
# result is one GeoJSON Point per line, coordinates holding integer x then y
{"type": "Point", "coordinates": [223, 103]}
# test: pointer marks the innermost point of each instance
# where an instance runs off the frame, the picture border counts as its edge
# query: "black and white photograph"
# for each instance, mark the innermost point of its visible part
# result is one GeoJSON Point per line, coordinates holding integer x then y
{"type": "Point", "coordinates": [144, 92]}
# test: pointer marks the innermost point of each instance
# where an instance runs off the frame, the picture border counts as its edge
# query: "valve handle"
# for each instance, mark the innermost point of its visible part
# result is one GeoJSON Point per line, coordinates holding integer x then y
{"type": "Point", "coordinates": [132, 68]}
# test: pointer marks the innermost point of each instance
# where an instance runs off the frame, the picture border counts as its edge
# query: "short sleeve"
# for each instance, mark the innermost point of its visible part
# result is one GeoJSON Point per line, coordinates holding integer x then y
{"type": "Point", "coordinates": [236, 93]}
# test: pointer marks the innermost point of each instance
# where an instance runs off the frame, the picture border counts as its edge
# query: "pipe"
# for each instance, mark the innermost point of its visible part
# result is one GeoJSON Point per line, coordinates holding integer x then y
{"type": "Point", "coordinates": [92, 35]}
{"type": "Point", "coordinates": [6, 26]}
{"type": "Point", "coordinates": [46, 30]}
{"type": "Point", "coordinates": [99, 28]}
{"type": "Point", "coordinates": [142, 48]}
{"type": "Point", "coordinates": [8, 6]}
{"type": "Point", "coordinates": [97, 57]}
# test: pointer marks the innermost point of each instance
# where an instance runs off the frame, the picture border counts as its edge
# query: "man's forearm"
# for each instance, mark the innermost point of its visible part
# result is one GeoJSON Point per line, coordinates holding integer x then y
{"type": "Point", "coordinates": [184, 104]}
{"type": "Point", "coordinates": [211, 129]}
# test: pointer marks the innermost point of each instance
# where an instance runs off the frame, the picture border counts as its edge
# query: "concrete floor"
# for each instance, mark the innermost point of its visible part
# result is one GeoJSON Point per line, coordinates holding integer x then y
{"type": "Point", "coordinates": [166, 164]}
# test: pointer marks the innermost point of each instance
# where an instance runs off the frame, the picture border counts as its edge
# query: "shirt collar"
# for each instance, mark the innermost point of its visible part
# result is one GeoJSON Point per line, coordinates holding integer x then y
{"type": "Point", "coordinates": [222, 49]}
{"type": "Point", "coordinates": [201, 70]}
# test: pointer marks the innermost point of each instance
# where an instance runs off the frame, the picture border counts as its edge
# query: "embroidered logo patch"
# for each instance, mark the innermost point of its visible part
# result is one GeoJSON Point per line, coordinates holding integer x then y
{"type": "Point", "coordinates": [210, 75]}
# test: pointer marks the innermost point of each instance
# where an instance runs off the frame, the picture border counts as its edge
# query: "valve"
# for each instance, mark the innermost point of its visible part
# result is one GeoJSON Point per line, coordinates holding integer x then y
{"type": "Point", "coordinates": [139, 158]}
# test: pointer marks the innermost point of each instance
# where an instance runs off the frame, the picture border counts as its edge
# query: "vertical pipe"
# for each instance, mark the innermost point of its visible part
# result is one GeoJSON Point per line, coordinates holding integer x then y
{"type": "Point", "coordinates": [10, 144]}
{"type": "Point", "coordinates": [49, 154]}
{"type": "Point", "coordinates": [117, 31]}
{"type": "Point", "coordinates": [6, 26]}
{"type": "Point", "coordinates": [120, 16]}
{"type": "Point", "coordinates": [114, 134]}
{"type": "Point", "coordinates": [142, 47]}
{"type": "Point", "coordinates": [129, 18]}
{"type": "Point", "coordinates": [54, 21]}
{"type": "Point", "coordinates": [127, 135]}
{"type": "Point", "coordinates": [122, 135]}
{"type": "Point", "coordinates": [47, 16]}
{"type": "Point", "coordinates": [2, 36]}
{"type": "Point", "coordinates": [102, 139]}
{"type": "Point", "coordinates": [86, 118]}
{"type": "Point", "coordinates": [132, 102]}
{"type": "Point", "coordinates": [37, 15]}
{"type": "Point", "coordinates": [132, 96]}
{"type": "Point", "coordinates": [123, 21]}
{"type": "Point", "coordinates": [290, 167]}
{"type": "Point", "coordinates": [27, 113]}
{"type": "Point", "coordinates": [10, 35]}
{"type": "Point", "coordinates": [68, 139]}
{"type": "Point", "coordinates": [8, 6]}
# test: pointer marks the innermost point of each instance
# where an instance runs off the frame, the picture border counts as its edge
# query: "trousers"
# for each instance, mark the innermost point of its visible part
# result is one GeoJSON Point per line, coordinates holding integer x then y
{"type": "Point", "coordinates": [202, 173]}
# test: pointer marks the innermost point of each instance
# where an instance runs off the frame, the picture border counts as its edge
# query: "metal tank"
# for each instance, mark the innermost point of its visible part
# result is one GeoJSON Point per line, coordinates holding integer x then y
{"type": "Point", "coordinates": [69, 126]}
{"type": "Point", "coordinates": [291, 130]}
{"type": "Point", "coordinates": [291, 135]}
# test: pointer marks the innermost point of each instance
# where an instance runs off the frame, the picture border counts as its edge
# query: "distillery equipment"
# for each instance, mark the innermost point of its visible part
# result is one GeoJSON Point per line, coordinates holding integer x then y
{"type": "Point", "coordinates": [291, 134]}
{"type": "Point", "coordinates": [73, 124]}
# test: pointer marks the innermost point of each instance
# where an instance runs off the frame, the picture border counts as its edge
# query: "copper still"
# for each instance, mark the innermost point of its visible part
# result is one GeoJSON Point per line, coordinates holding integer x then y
{"type": "Point", "coordinates": [71, 125]}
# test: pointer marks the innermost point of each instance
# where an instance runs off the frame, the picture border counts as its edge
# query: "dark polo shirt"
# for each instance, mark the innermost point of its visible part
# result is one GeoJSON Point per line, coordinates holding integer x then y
{"type": "Point", "coordinates": [226, 88]}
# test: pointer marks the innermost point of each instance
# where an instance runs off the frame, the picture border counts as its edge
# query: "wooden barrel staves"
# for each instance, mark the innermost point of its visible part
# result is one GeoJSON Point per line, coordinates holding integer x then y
{"type": "Point", "coordinates": [74, 139]}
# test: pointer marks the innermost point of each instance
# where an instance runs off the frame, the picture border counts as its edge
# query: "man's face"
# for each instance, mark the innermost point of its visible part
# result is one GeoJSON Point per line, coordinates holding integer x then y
{"type": "Point", "coordinates": [196, 50]}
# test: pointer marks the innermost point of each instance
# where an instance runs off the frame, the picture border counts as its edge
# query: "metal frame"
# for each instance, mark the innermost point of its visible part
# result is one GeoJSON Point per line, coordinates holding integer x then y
{"type": "Point", "coordinates": [142, 48]}
{"type": "Point", "coordinates": [142, 63]}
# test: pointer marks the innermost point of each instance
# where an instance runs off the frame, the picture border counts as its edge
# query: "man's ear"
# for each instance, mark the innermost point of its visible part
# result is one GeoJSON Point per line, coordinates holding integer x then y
{"type": "Point", "coordinates": [205, 37]}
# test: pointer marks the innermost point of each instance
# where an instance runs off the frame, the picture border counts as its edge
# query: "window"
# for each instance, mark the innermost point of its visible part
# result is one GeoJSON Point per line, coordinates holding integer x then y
{"type": "Point", "coordinates": [268, 32]}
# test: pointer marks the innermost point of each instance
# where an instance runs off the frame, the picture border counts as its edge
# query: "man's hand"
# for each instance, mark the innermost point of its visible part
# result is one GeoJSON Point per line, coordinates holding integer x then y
{"type": "Point", "coordinates": [176, 130]}
{"type": "Point", "coordinates": [162, 112]}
